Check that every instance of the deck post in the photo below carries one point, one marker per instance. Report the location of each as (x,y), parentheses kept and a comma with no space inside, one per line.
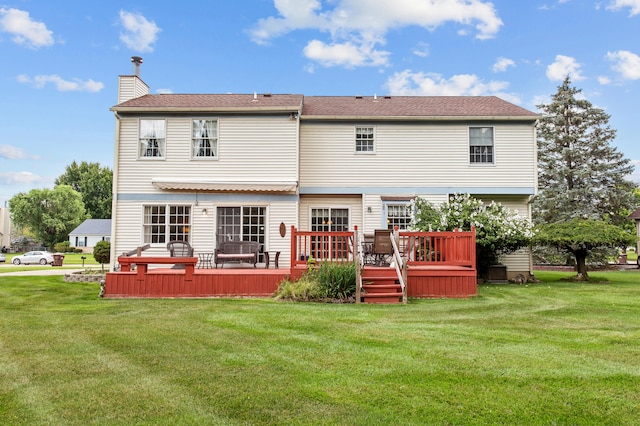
(356,259)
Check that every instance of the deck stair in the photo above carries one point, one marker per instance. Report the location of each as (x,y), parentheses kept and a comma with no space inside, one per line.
(380,285)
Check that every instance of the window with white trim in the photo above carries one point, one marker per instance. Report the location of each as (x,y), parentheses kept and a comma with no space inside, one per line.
(164,223)
(399,215)
(481,145)
(365,139)
(204,138)
(152,139)
(329,219)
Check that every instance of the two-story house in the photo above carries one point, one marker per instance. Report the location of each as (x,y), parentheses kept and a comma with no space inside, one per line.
(208,168)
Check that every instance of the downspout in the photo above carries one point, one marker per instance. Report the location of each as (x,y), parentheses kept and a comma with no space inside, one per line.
(114,192)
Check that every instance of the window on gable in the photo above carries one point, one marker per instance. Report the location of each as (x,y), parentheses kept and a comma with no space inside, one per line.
(365,138)
(163,223)
(481,145)
(152,138)
(204,139)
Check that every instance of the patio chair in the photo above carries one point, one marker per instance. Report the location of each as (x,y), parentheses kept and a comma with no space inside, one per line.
(382,247)
(179,248)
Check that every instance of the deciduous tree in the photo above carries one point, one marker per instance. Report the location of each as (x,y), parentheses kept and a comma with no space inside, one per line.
(49,213)
(94,182)
(579,237)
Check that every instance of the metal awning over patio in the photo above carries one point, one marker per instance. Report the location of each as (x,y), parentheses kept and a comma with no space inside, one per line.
(227,186)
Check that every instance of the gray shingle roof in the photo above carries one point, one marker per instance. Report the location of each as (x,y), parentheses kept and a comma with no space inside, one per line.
(93,227)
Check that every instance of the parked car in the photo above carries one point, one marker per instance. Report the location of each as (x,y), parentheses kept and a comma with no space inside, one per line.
(3,258)
(41,257)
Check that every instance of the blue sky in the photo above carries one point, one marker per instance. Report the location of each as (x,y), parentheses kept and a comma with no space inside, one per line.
(61,60)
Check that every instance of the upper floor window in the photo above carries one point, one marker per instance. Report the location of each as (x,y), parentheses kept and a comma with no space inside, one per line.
(481,145)
(365,138)
(204,139)
(152,138)
(162,223)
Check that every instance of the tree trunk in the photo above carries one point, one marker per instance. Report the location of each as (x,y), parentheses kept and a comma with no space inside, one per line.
(581,265)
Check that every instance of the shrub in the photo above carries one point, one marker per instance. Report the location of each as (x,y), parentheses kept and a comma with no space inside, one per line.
(330,281)
(102,252)
(337,280)
(305,289)
(63,247)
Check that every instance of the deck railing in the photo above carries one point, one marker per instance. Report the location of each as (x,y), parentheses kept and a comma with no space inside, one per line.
(321,246)
(456,248)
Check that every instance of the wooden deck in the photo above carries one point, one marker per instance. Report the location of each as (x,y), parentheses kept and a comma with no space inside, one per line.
(167,282)
(438,265)
(422,282)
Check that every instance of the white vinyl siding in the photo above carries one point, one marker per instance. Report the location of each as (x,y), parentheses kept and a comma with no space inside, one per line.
(425,155)
(130,87)
(249,149)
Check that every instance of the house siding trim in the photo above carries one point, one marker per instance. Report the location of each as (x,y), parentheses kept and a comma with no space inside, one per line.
(191,197)
(309,190)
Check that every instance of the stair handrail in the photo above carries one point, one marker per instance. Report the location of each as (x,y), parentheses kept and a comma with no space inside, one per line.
(358,260)
(399,264)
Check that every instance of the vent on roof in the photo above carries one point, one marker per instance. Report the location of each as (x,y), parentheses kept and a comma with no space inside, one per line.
(137,60)
(267,95)
(358,96)
(387,97)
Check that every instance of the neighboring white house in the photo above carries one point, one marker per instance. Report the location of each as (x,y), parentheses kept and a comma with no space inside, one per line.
(209,168)
(90,232)
(5,228)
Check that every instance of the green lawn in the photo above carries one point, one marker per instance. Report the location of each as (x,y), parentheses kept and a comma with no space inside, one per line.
(537,354)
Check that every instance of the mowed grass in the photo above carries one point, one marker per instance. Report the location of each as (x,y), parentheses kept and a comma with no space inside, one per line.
(536,354)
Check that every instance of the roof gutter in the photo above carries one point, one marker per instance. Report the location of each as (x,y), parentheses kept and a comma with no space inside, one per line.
(419,118)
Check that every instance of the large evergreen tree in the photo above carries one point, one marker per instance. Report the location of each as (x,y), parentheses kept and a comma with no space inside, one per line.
(580,174)
(94,183)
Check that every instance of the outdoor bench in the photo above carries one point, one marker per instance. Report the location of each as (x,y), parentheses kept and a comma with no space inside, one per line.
(242,251)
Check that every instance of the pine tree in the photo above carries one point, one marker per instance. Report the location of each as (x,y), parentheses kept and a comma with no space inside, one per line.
(580,174)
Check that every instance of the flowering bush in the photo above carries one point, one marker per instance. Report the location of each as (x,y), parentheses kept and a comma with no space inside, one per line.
(499,230)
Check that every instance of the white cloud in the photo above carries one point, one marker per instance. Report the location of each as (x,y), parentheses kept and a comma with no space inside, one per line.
(164,91)
(139,33)
(626,63)
(408,83)
(76,85)
(619,4)
(347,54)
(12,178)
(604,80)
(502,64)
(422,50)
(10,152)
(25,31)
(563,66)
(360,25)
